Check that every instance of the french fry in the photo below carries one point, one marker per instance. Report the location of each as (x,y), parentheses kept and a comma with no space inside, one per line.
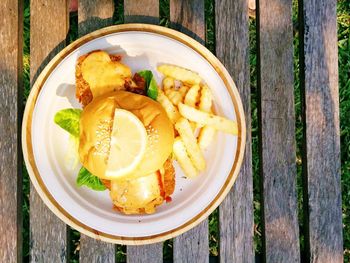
(168,84)
(191,99)
(204,118)
(182,158)
(184,128)
(192,96)
(174,96)
(206,136)
(179,73)
(193,126)
(206,97)
(183,90)
(170,109)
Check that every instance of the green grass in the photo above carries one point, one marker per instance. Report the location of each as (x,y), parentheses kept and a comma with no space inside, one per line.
(343,19)
(26,83)
(343,14)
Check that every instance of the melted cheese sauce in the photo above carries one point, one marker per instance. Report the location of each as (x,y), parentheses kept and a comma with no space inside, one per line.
(102,74)
(131,195)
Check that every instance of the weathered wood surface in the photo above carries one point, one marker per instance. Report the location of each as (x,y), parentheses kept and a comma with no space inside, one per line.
(188,17)
(277,121)
(94,251)
(10,108)
(93,15)
(47,36)
(146,11)
(236,211)
(193,245)
(146,253)
(143,12)
(321,123)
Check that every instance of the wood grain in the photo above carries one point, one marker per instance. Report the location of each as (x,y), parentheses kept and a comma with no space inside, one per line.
(188,17)
(319,64)
(10,110)
(146,253)
(92,250)
(146,11)
(47,37)
(193,245)
(236,211)
(93,15)
(143,12)
(277,131)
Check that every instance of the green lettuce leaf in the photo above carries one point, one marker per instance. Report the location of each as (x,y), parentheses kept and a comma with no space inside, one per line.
(151,84)
(69,120)
(89,180)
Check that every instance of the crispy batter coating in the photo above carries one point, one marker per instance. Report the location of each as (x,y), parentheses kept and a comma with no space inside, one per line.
(169,178)
(82,91)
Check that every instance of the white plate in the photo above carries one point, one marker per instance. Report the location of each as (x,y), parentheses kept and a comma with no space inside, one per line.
(48,152)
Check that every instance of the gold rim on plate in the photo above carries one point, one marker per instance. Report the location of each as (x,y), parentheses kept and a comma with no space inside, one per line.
(27,145)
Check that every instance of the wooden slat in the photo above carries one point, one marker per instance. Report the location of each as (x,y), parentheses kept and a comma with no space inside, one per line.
(92,250)
(47,36)
(146,11)
(236,211)
(277,131)
(319,64)
(143,12)
(188,17)
(92,15)
(10,101)
(193,245)
(147,253)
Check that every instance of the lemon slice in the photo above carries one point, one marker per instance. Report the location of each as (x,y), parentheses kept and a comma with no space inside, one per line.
(128,144)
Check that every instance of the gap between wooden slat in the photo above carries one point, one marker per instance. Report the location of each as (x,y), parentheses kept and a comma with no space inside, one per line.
(47,37)
(277,131)
(213,218)
(10,117)
(93,15)
(164,13)
(236,211)
(257,181)
(26,89)
(321,160)
(298,130)
(188,17)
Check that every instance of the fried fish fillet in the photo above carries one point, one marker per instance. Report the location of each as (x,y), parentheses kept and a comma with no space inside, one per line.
(144,194)
(97,73)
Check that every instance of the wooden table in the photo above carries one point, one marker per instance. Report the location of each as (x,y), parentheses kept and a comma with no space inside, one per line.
(276,114)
